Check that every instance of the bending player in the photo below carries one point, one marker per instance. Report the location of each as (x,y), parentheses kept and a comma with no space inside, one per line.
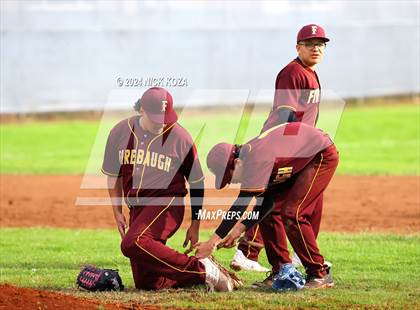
(291,164)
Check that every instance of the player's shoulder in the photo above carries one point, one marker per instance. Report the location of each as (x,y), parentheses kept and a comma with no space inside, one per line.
(293,68)
(124,125)
(176,130)
(291,73)
(246,149)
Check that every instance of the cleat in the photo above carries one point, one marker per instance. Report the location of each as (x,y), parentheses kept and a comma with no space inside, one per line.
(218,278)
(317,283)
(266,283)
(240,262)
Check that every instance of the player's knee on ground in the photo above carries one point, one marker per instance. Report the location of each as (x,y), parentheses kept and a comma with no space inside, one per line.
(127,246)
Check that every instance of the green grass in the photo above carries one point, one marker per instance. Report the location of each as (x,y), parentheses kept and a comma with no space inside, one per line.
(46,147)
(382,140)
(378,271)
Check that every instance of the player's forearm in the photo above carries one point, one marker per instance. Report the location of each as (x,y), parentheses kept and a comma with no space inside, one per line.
(197,198)
(239,206)
(215,240)
(118,213)
(115,193)
(195,224)
(263,209)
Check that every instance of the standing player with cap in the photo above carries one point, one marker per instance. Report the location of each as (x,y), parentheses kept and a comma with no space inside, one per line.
(148,159)
(292,163)
(296,99)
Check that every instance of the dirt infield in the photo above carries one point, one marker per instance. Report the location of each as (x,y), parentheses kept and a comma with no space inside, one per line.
(12,297)
(352,204)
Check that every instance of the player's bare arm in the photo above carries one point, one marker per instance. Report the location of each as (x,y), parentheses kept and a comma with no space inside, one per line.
(229,231)
(115,193)
(231,240)
(262,209)
(241,203)
(196,197)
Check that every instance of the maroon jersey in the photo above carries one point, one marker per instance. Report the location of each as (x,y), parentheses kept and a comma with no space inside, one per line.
(298,89)
(151,165)
(279,153)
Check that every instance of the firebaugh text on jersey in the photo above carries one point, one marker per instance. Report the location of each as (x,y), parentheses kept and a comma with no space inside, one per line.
(145,158)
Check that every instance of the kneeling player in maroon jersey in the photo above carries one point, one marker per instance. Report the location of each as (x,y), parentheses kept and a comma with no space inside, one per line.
(290,164)
(148,158)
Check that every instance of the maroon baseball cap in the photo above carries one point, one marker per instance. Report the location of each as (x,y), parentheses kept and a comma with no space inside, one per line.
(157,103)
(311,31)
(220,162)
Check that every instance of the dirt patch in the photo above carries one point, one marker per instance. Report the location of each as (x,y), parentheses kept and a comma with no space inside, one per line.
(352,203)
(12,297)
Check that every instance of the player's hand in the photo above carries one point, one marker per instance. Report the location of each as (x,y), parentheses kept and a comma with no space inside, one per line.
(230,240)
(121,223)
(204,249)
(191,236)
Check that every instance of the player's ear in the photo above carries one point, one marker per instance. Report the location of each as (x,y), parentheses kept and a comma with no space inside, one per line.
(141,111)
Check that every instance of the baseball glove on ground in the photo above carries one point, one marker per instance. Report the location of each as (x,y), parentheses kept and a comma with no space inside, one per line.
(96,279)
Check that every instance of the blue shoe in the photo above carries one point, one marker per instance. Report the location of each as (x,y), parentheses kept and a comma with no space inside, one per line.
(288,279)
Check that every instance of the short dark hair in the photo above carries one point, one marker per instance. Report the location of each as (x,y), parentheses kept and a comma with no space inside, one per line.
(137,106)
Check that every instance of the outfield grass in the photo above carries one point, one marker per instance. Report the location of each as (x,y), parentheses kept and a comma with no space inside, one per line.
(379,271)
(372,140)
(46,147)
